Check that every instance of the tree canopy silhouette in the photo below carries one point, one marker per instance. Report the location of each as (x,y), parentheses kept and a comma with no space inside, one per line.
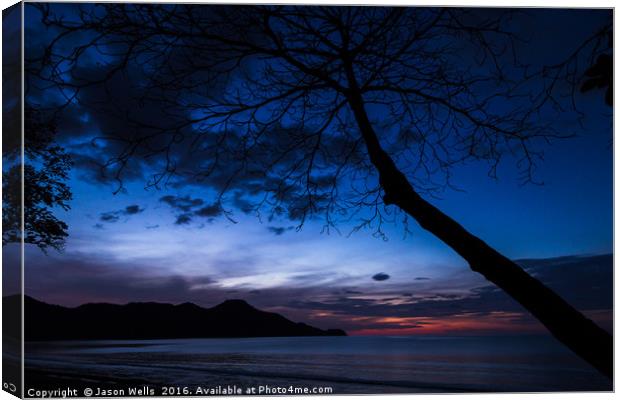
(343,113)
(45,174)
(601,74)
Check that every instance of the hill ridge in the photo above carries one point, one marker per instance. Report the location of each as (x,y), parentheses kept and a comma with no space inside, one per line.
(233,318)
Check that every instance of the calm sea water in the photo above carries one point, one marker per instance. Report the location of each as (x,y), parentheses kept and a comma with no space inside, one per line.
(346,364)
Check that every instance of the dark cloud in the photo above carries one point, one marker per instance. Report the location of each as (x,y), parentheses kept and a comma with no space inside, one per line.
(126,109)
(185,203)
(109,216)
(152,226)
(183,219)
(102,111)
(134,209)
(74,280)
(114,216)
(91,161)
(381,277)
(243,180)
(201,280)
(279,230)
(214,210)
(436,305)
(189,208)
(243,204)
(422,278)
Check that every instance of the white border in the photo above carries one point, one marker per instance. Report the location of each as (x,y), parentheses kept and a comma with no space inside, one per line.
(23,184)
(467,3)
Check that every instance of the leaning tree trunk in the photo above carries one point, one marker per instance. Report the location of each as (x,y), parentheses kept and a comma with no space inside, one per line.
(568,325)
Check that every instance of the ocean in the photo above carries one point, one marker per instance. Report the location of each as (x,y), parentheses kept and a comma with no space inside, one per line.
(338,365)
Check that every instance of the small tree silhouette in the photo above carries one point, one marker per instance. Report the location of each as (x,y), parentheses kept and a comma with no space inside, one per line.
(601,74)
(45,172)
(339,112)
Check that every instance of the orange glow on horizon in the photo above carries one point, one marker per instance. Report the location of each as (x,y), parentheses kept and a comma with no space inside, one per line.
(463,323)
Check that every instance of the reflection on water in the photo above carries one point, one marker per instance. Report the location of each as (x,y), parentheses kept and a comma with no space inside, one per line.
(348,364)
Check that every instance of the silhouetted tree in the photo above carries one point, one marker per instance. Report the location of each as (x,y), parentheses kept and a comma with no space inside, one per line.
(45,172)
(588,67)
(342,112)
(601,74)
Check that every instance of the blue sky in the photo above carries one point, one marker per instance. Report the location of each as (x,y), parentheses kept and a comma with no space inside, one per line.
(130,246)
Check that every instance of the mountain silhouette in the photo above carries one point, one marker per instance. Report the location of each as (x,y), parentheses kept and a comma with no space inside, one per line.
(230,319)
